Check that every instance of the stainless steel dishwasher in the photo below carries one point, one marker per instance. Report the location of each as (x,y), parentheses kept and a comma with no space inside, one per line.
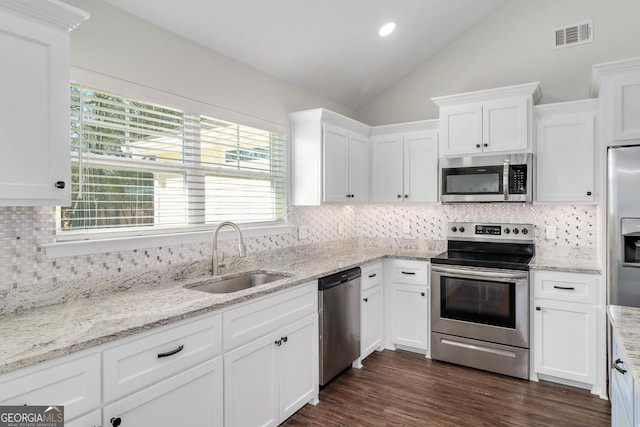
(339,318)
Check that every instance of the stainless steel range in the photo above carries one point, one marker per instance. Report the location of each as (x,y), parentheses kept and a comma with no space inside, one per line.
(480,297)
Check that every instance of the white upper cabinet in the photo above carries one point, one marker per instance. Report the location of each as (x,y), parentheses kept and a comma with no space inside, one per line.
(488,121)
(565,151)
(330,158)
(617,84)
(35,168)
(405,163)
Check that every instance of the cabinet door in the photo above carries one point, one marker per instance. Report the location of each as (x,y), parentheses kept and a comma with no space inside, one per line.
(251,385)
(626,108)
(371,321)
(505,125)
(358,168)
(387,175)
(298,365)
(193,397)
(461,130)
(565,159)
(565,340)
(621,414)
(336,165)
(34,113)
(421,167)
(409,315)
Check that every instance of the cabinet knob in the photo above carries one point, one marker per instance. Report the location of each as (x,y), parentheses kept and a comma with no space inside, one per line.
(588,193)
(538,309)
(60,184)
(422,294)
(278,343)
(365,299)
(406,196)
(115,422)
(477,145)
(399,196)
(485,144)
(284,339)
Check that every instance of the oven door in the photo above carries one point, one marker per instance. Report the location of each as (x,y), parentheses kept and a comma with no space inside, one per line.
(481,303)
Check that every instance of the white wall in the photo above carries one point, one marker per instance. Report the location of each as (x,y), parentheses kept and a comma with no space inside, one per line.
(121,45)
(513,46)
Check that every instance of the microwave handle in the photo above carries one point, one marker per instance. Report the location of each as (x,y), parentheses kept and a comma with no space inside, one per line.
(505,179)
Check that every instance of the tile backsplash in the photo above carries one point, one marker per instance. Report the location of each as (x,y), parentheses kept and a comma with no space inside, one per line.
(24,229)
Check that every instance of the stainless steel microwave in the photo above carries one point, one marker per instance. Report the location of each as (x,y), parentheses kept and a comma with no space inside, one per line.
(495,178)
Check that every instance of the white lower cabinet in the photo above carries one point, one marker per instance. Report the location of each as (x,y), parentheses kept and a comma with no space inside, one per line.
(269,379)
(371,327)
(409,303)
(193,397)
(371,309)
(565,340)
(565,326)
(624,401)
(409,315)
(72,381)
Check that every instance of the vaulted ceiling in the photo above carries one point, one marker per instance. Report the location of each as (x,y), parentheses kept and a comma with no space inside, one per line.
(329,47)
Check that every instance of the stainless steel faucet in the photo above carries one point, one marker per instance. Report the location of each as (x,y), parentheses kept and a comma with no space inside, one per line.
(242,249)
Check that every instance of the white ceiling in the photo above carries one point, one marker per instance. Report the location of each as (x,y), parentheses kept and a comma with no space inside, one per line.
(330,47)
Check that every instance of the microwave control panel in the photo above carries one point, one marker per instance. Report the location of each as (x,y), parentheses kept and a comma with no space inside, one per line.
(518,179)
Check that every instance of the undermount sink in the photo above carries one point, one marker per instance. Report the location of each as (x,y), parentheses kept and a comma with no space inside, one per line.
(236,283)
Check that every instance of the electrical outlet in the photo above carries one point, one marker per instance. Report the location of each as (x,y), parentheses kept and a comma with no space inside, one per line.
(550,233)
(406,227)
(303,232)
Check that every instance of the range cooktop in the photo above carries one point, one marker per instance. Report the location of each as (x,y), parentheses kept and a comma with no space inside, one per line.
(503,246)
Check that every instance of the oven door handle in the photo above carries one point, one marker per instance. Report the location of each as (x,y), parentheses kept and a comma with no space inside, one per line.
(480,274)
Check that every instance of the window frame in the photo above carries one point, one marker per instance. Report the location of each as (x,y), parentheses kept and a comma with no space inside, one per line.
(96,240)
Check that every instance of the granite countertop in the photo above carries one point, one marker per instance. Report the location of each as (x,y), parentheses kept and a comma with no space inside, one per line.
(626,327)
(572,260)
(84,315)
(39,334)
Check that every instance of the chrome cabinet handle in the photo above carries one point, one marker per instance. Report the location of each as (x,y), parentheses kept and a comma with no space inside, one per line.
(365,299)
(171,353)
(618,368)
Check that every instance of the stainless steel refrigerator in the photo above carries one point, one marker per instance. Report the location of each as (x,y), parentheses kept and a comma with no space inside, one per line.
(623,228)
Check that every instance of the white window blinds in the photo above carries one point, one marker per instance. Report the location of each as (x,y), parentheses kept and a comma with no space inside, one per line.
(139,165)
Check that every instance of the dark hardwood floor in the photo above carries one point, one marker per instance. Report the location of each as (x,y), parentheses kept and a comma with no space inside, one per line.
(405,389)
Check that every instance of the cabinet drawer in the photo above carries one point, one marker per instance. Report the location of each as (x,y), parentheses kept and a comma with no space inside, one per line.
(257,319)
(149,358)
(191,398)
(371,275)
(73,382)
(570,287)
(409,271)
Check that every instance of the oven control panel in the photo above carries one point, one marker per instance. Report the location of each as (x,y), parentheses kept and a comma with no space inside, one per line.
(484,231)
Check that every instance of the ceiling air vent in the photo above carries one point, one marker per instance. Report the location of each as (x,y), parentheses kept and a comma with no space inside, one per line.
(573,35)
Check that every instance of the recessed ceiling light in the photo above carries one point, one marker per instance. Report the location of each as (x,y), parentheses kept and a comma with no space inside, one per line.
(387,29)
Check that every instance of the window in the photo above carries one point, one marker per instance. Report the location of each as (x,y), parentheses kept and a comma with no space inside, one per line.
(137,166)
